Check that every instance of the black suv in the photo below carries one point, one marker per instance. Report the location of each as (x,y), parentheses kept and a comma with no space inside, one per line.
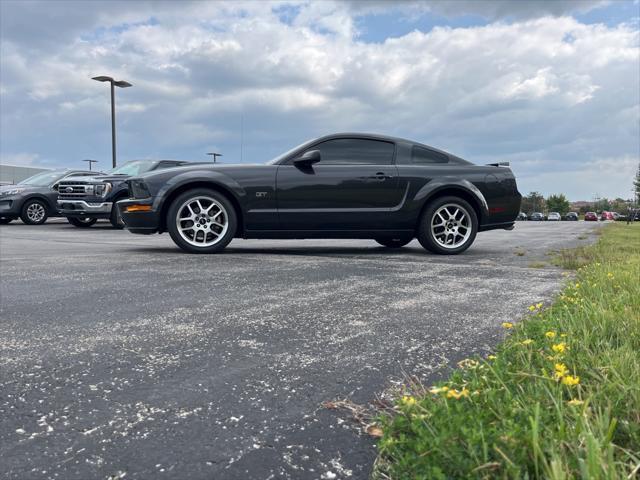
(34,200)
(83,200)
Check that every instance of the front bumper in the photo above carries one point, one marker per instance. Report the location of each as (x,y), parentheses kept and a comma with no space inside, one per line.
(81,208)
(10,207)
(144,223)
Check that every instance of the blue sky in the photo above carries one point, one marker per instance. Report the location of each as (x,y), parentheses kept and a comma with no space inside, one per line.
(551,86)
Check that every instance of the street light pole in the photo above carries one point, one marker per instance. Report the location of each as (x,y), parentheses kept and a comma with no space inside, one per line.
(91,162)
(215,155)
(113,83)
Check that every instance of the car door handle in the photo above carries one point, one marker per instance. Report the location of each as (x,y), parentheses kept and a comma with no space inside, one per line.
(380,176)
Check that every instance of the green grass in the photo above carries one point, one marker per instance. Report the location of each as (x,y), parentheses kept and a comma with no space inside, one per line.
(515,414)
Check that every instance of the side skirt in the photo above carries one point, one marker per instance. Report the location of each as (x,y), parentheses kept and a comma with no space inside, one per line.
(300,234)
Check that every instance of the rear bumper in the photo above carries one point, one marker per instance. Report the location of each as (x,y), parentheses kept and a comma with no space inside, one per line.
(144,223)
(81,208)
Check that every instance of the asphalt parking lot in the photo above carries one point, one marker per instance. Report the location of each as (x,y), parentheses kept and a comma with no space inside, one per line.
(122,357)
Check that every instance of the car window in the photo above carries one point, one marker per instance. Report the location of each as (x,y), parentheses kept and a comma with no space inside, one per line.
(42,179)
(135,167)
(355,151)
(423,155)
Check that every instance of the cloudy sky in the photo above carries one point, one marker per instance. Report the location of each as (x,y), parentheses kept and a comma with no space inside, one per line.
(551,86)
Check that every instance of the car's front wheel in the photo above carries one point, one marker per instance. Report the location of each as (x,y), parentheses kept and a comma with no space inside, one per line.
(448,226)
(81,222)
(34,212)
(202,221)
(394,242)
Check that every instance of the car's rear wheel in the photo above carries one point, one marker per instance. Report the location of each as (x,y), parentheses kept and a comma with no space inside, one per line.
(448,226)
(5,220)
(81,222)
(202,221)
(34,212)
(394,242)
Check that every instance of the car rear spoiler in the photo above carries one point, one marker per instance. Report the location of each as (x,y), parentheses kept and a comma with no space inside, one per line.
(498,164)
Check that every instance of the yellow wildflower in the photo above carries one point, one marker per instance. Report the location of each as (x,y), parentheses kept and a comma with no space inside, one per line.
(528,341)
(507,325)
(532,308)
(550,334)
(408,400)
(539,305)
(453,393)
(575,402)
(570,380)
(436,390)
(491,357)
(560,370)
(610,276)
(563,335)
(559,347)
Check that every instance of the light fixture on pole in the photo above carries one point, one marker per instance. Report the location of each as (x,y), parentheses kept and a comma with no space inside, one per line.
(215,155)
(91,162)
(114,83)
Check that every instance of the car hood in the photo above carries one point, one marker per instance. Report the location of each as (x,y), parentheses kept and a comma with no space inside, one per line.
(98,178)
(27,188)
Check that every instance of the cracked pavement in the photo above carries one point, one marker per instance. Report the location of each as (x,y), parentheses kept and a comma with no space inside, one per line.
(122,357)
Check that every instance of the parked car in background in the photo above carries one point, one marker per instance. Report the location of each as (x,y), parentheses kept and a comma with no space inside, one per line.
(572,217)
(590,217)
(346,185)
(619,217)
(606,216)
(536,217)
(554,217)
(84,200)
(522,216)
(33,200)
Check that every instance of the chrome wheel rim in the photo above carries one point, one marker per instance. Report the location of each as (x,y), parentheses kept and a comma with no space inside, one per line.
(202,221)
(35,212)
(451,226)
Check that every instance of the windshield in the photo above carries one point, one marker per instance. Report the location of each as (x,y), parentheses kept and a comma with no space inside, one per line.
(289,152)
(42,179)
(132,168)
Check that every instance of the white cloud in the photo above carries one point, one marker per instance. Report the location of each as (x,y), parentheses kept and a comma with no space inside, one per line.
(548,91)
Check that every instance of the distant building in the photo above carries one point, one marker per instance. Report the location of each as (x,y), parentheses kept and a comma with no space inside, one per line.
(10,174)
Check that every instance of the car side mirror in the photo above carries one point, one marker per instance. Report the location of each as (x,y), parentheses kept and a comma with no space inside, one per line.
(308,158)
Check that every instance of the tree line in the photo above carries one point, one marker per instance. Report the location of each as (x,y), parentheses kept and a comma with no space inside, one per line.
(536,202)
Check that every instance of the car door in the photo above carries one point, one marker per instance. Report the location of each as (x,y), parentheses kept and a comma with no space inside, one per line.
(354,186)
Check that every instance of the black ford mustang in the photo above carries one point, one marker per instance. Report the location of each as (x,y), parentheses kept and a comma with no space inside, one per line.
(339,186)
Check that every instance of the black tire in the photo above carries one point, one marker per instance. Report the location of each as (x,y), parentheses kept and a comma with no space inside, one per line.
(34,212)
(82,222)
(394,242)
(427,238)
(225,214)
(5,220)
(116,218)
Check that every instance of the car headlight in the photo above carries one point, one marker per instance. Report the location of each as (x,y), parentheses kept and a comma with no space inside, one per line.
(138,189)
(102,189)
(13,191)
